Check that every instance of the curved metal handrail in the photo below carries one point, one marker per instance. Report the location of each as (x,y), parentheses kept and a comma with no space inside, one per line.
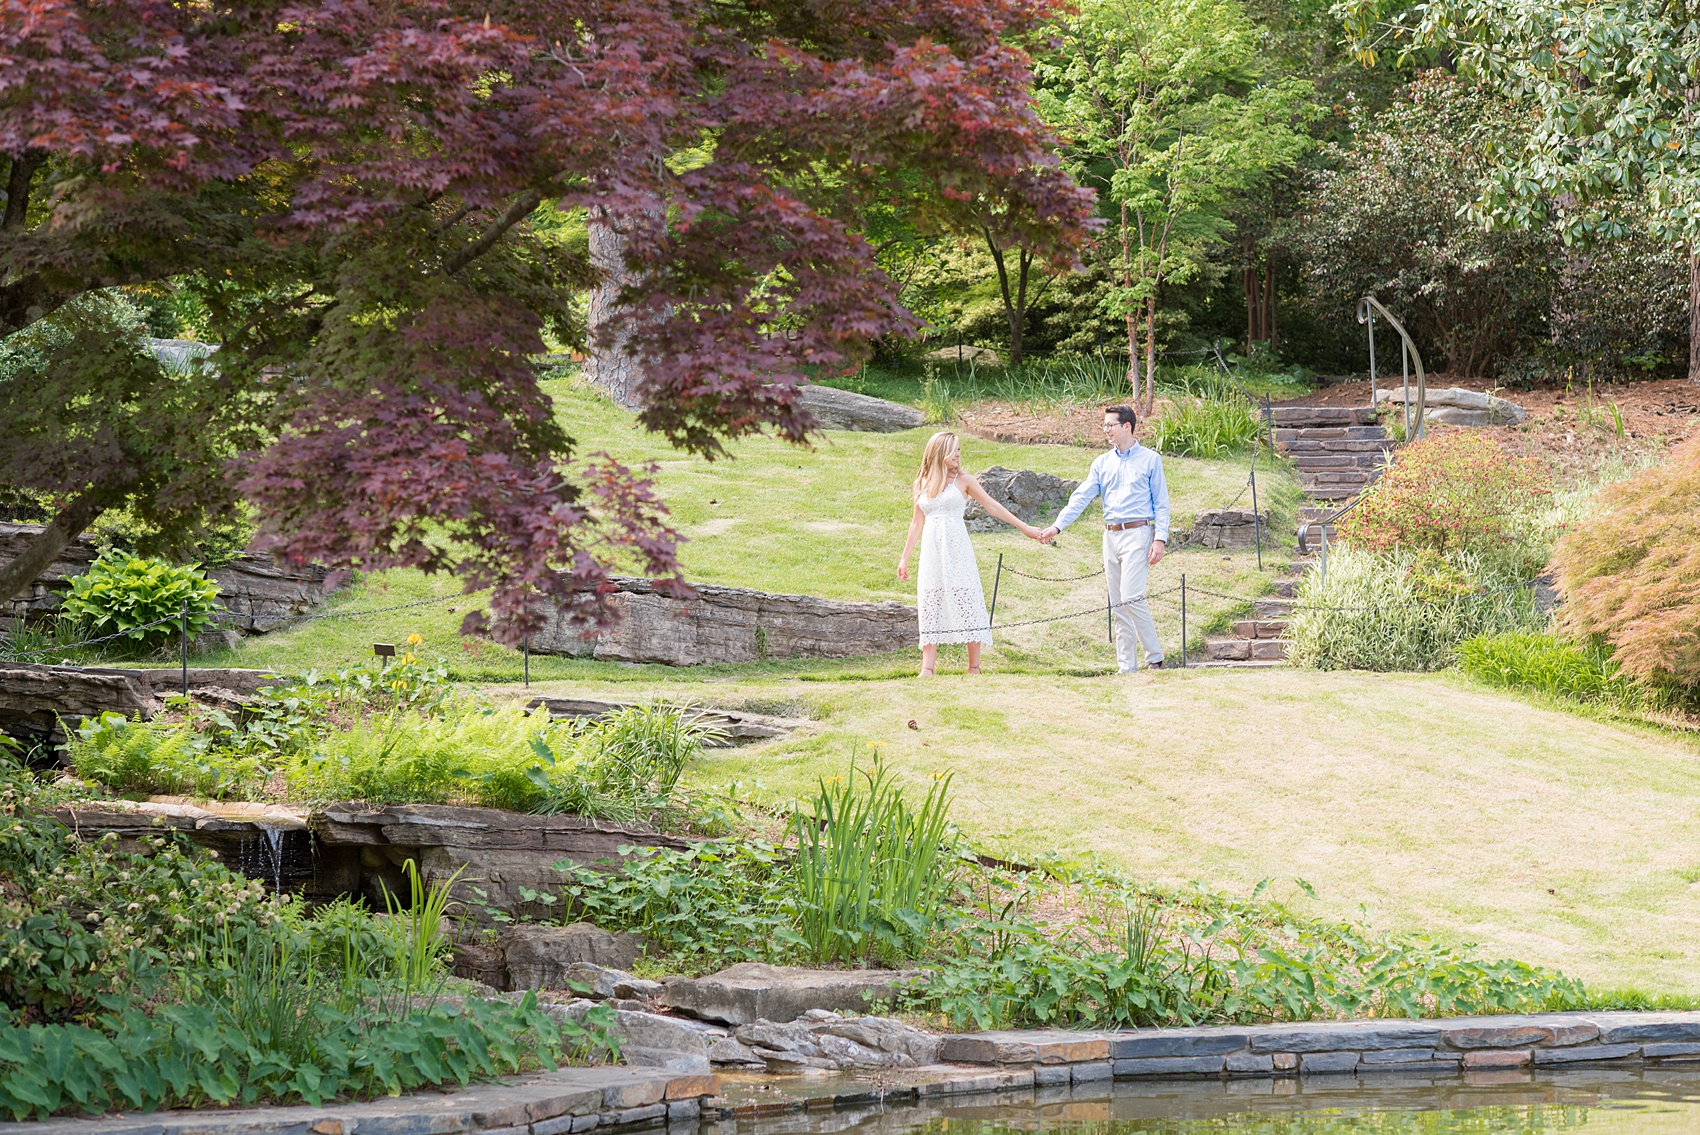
(1365,315)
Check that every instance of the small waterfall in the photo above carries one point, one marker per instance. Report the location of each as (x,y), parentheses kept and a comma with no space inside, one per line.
(274,848)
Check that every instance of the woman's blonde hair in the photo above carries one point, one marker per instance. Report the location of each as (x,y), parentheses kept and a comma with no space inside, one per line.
(930,481)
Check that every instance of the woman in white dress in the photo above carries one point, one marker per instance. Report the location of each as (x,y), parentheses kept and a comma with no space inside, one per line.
(948,595)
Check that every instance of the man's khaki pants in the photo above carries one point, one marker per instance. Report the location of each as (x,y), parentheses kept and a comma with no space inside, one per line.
(1126,565)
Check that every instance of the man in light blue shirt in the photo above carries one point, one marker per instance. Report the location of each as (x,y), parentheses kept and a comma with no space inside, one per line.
(1136,531)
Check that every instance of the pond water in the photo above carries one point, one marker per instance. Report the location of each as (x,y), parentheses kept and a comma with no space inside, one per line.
(1656,1102)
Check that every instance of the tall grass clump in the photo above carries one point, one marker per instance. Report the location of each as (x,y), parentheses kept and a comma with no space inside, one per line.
(1403,609)
(625,766)
(1058,380)
(872,872)
(1218,425)
(1546,664)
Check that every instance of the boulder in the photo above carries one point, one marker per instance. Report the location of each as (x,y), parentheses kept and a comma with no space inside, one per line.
(637,989)
(826,1040)
(756,991)
(542,957)
(649,1040)
(731,726)
(846,410)
(1224,528)
(596,981)
(979,356)
(730,624)
(1034,497)
(729,1050)
(1457,406)
(883,1034)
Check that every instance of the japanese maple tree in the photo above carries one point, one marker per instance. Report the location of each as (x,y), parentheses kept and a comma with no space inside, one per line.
(355,190)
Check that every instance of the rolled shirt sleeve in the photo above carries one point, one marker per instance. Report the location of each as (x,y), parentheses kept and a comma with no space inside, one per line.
(1159,497)
(1084,494)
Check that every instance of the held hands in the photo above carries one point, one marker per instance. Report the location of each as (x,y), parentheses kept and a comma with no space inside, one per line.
(1047,536)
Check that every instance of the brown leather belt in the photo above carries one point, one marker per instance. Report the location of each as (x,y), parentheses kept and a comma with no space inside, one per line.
(1124,527)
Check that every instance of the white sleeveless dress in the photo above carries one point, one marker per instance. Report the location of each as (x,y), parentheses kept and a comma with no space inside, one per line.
(947,584)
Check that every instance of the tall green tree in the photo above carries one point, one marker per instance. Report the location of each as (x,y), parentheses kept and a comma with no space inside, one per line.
(1164,106)
(1614,93)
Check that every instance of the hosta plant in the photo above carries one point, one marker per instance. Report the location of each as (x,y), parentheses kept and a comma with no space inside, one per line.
(147,603)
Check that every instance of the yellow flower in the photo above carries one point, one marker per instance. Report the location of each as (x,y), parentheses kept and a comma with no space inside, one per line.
(415,639)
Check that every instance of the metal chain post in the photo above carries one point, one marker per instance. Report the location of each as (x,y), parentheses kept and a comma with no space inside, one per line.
(183,634)
(996,579)
(1183,620)
(526,652)
(1256,519)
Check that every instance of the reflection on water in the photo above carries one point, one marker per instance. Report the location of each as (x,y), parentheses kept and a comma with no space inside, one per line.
(1656,1102)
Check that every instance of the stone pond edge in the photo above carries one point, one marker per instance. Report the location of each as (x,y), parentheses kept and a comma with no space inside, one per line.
(623,1098)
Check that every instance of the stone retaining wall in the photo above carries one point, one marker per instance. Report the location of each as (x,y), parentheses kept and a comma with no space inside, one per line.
(37,701)
(1431,1047)
(733,624)
(551,1103)
(258,593)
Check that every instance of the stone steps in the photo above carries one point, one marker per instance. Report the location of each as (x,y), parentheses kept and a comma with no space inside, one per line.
(1334,462)
(1323,417)
(1285,434)
(1245,650)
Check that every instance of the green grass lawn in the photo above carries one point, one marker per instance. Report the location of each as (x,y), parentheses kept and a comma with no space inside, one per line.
(1417,802)
(826,521)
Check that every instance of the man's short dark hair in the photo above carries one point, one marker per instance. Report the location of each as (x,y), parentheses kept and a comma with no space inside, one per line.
(1124,413)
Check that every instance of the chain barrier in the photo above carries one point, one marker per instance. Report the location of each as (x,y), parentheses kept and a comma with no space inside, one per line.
(1366,606)
(1098,610)
(230,616)
(14,655)
(1052,578)
(226,616)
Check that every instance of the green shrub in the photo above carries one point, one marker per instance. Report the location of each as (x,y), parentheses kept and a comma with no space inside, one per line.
(1457,492)
(1402,610)
(1546,663)
(126,595)
(872,873)
(708,906)
(1214,426)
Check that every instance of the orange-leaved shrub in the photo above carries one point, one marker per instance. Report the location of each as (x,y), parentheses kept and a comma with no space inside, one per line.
(1457,491)
(1630,574)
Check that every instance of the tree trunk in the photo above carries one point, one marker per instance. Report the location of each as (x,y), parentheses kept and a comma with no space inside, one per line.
(609,365)
(1131,315)
(1693,314)
(1133,354)
(1248,280)
(72,520)
(1269,333)
(1150,354)
(1014,302)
